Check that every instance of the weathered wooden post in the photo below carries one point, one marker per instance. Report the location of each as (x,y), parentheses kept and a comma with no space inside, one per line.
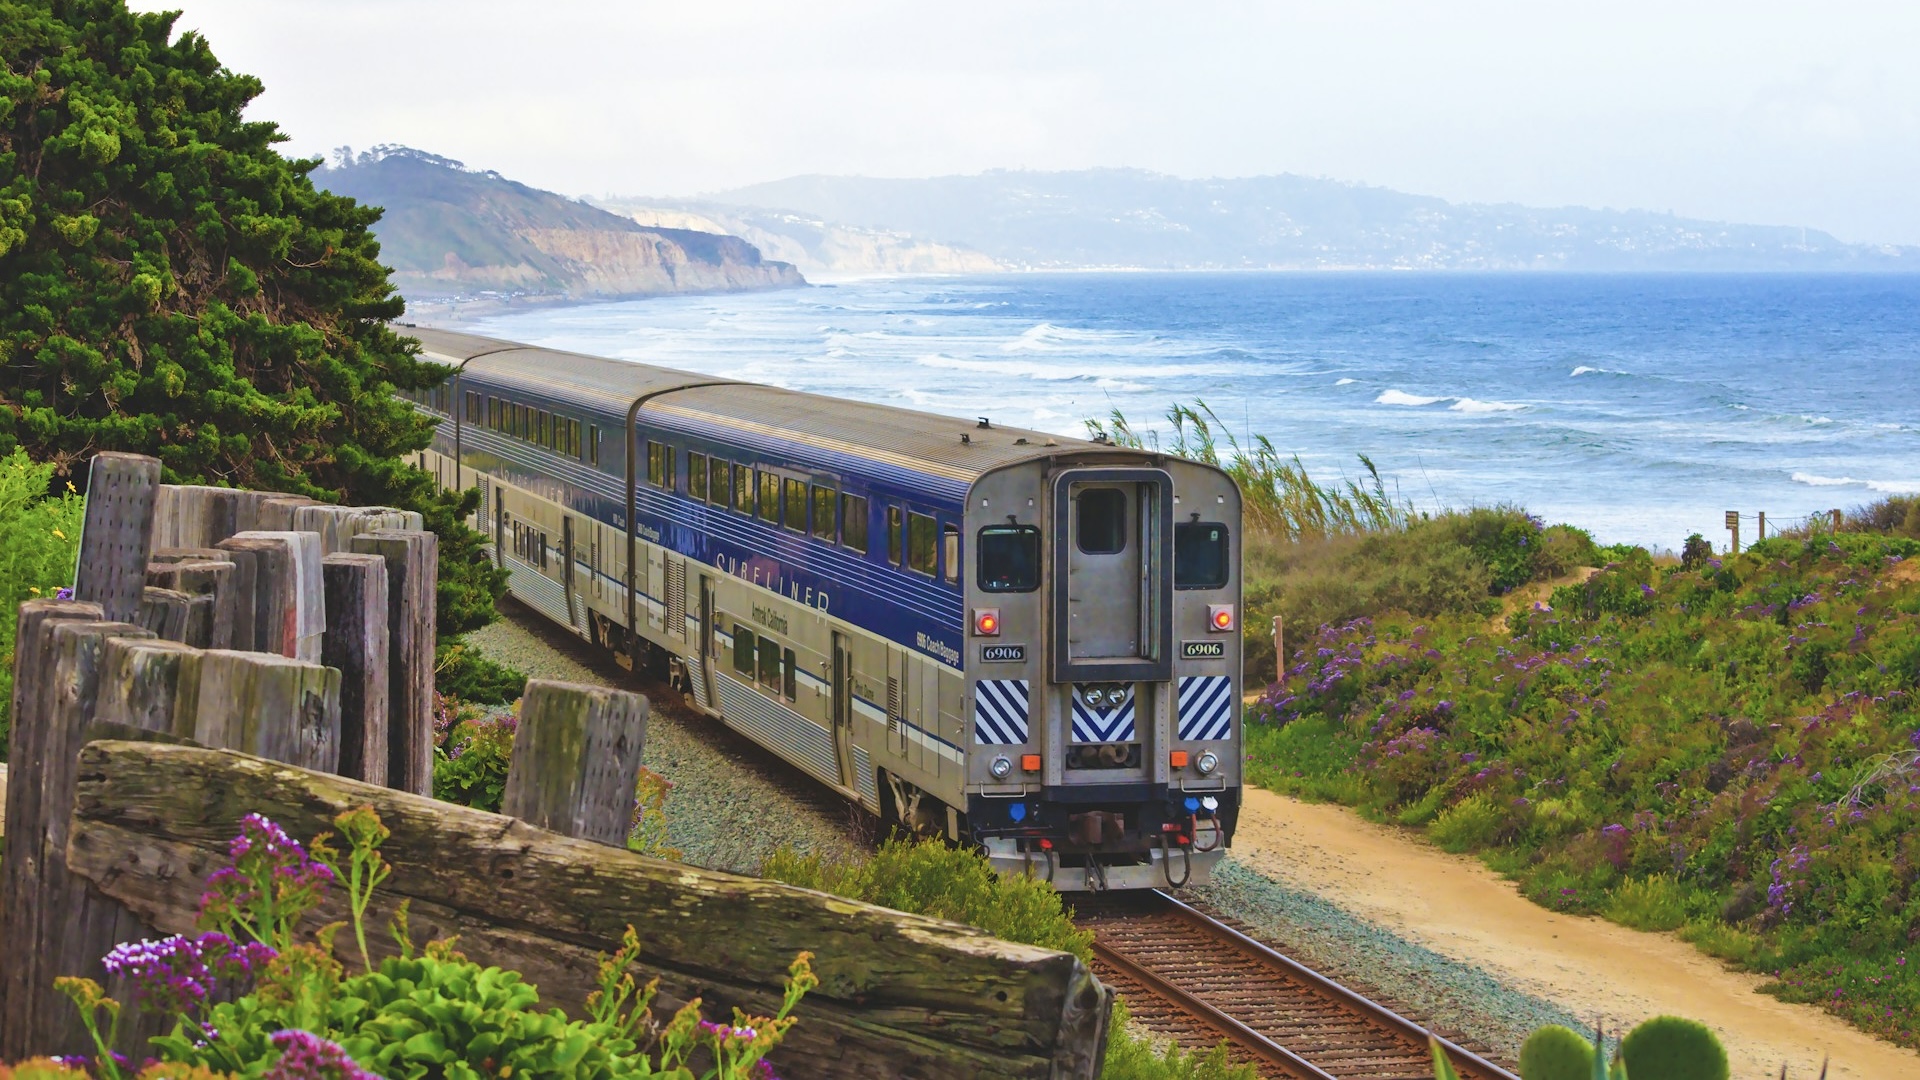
(413,566)
(140,683)
(576,759)
(289,597)
(55,925)
(356,643)
(263,704)
(1279,648)
(118,533)
(204,579)
(21,869)
(338,525)
(1835,513)
(1733,526)
(166,611)
(1760,533)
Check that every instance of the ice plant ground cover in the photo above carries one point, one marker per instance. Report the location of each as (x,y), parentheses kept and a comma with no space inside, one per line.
(1729,749)
(248,997)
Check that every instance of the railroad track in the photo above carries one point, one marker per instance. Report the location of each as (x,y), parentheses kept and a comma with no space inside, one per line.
(1192,977)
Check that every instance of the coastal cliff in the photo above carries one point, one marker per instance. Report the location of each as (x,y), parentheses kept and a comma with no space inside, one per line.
(452,232)
(817,247)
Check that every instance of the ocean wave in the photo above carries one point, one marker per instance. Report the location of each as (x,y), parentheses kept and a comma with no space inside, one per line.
(1585,370)
(1825,481)
(1895,487)
(1470,405)
(1401,397)
(1048,337)
(1343,382)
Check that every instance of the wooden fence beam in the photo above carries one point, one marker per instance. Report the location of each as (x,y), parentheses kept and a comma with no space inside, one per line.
(166,611)
(356,644)
(338,525)
(900,995)
(140,683)
(275,513)
(413,567)
(208,579)
(263,704)
(118,532)
(576,759)
(20,869)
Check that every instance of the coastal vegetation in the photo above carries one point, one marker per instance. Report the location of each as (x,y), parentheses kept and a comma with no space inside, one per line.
(39,540)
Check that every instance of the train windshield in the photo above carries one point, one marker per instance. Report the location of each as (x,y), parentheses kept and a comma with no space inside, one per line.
(1009,558)
(1199,555)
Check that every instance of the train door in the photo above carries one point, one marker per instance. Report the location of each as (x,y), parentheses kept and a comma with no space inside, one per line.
(707,690)
(843,710)
(570,586)
(500,528)
(1103,577)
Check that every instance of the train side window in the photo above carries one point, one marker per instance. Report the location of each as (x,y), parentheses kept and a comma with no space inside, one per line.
(657,460)
(543,551)
(1009,558)
(788,676)
(950,553)
(1200,555)
(593,443)
(543,428)
(717,476)
(1102,528)
(893,535)
(697,475)
(769,498)
(853,521)
(770,663)
(823,515)
(743,489)
(743,650)
(923,543)
(795,516)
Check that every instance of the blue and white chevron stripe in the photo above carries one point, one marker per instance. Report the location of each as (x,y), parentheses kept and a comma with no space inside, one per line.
(1206,707)
(1000,714)
(1108,725)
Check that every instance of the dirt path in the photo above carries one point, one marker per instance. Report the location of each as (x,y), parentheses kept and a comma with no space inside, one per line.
(1457,907)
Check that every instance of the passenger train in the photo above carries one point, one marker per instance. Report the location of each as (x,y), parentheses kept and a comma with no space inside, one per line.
(1028,643)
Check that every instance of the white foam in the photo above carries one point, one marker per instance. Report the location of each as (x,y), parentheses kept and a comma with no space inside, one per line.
(1895,487)
(1343,382)
(1472,406)
(1401,397)
(1826,481)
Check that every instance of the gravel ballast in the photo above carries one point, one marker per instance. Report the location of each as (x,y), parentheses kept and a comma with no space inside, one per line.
(732,803)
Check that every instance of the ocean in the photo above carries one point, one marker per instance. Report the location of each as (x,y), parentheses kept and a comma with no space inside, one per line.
(1640,407)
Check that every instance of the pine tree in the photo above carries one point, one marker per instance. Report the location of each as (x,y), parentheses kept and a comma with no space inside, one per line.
(171,285)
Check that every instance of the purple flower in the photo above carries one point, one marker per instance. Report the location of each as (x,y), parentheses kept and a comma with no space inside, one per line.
(306,1056)
(174,975)
(63,593)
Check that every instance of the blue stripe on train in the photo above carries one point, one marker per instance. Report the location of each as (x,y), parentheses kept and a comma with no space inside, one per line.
(1001,714)
(1206,707)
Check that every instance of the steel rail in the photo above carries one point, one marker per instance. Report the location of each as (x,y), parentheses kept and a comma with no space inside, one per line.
(1266,1049)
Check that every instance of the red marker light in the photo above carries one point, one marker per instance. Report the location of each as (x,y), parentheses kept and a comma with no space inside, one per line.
(986,622)
(1030,762)
(1220,618)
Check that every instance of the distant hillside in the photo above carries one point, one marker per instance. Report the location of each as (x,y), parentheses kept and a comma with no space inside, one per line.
(452,231)
(1128,217)
(817,247)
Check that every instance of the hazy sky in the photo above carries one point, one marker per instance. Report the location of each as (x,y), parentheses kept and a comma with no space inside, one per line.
(1801,114)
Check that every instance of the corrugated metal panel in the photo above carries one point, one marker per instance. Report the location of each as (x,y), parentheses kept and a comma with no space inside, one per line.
(863,777)
(772,724)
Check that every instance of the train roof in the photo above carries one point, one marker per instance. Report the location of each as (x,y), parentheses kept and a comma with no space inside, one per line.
(945,445)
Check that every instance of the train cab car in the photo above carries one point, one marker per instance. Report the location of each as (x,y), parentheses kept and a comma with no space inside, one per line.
(1027,643)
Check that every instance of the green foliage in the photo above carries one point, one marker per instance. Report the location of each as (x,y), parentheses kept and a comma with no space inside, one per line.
(1280,499)
(459,671)
(1554,1052)
(930,878)
(1730,752)
(170,285)
(1896,515)
(1673,1048)
(1695,553)
(1132,1058)
(471,755)
(39,541)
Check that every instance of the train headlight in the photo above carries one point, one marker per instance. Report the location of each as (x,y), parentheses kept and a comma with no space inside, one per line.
(1220,618)
(1000,767)
(1206,762)
(986,622)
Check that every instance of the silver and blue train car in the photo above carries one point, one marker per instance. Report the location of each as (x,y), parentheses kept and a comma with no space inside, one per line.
(1025,642)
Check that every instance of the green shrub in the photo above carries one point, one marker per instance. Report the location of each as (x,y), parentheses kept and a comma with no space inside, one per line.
(929,877)
(471,758)
(1651,903)
(39,541)
(1132,1058)
(1673,1048)
(1471,823)
(459,671)
(1554,1052)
